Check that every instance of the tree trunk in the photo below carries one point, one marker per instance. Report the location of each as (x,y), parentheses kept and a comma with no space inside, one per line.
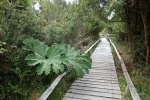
(143,9)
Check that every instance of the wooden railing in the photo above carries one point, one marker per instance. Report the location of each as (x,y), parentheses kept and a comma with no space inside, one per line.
(130,85)
(58,79)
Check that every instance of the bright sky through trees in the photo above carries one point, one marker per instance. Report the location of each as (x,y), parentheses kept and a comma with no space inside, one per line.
(70,1)
(37,5)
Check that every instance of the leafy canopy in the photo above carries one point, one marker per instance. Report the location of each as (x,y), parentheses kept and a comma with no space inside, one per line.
(57,58)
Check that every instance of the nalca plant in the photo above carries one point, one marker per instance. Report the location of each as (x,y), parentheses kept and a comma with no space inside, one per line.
(58,58)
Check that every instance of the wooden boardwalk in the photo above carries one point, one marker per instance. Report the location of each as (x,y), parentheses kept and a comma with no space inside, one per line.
(101,83)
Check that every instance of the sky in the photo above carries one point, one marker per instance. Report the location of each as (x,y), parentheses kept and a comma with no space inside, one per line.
(67,1)
(70,1)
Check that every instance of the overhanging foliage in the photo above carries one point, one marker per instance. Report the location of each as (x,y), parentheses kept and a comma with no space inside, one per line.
(57,58)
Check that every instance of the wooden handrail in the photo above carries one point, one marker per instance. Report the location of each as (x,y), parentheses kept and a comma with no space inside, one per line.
(52,87)
(91,47)
(57,80)
(130,85)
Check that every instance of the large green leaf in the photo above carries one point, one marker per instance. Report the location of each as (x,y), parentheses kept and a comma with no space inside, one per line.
(43,67)
(46,58)
(57,58)
(80,63)
(36,46)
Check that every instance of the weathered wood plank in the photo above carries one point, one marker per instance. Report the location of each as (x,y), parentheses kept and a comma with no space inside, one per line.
(87,97)
(98,86)
(96,89)
(101,71)
(99,78)
(102,81)
(96,83)
(70,98)
(105,68)
(101,75)
(98,71)
(93,93)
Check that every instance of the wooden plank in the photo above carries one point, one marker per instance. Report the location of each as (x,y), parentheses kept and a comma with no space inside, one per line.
(102,81)
(105,68)
(100,78)
(70,98)
(101,71)
(87,97)
(93,93)
(96,83)
(132,89)
(97,59)
(98,86)
(108,71)
(100,74)
(101,64)
(92,69)
(100,68)
(102,61)
(97,89)
(101,84)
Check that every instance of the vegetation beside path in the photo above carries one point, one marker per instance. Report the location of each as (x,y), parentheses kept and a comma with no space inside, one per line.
(139,76)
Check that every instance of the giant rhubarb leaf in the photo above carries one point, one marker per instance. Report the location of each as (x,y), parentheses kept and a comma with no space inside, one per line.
(57,58)
(45,58)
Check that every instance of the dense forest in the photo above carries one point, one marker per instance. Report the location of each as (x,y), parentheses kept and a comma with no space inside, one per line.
(59,26)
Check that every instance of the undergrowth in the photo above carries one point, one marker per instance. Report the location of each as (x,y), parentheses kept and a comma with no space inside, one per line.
(138,75)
